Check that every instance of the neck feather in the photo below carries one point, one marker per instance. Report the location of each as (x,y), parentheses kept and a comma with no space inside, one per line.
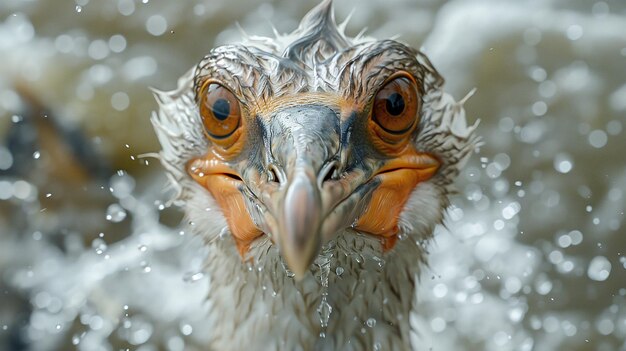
(354,296)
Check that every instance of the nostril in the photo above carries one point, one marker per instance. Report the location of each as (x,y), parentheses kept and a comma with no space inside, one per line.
(329,172)
(272,174)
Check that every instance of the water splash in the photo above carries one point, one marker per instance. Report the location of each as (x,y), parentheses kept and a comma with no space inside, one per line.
(324,309)
(115,213)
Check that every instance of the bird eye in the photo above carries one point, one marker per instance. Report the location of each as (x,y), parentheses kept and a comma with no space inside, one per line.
(219,109)
(396,105)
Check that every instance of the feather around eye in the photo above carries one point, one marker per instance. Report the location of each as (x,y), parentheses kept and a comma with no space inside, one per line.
(396,105)
(219,109)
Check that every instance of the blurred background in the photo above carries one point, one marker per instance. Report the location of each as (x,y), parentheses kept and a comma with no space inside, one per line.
(92,257)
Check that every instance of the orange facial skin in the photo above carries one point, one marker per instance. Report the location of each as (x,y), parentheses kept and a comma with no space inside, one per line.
(223,184)
(397,178)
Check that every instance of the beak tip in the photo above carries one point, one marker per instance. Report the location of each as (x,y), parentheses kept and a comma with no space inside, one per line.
(298,277)
(298,266)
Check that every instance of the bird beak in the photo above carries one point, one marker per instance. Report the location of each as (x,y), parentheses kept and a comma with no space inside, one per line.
(302,140)
(299,220)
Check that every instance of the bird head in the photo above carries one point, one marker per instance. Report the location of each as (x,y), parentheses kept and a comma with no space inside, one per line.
(312,135)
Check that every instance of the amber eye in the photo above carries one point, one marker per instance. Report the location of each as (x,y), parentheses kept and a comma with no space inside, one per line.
(396,105)
(219,109)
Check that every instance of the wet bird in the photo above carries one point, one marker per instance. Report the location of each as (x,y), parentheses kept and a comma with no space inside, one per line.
(315,166)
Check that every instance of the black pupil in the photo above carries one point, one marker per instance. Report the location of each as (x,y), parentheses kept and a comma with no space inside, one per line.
(395,104)
(221,109)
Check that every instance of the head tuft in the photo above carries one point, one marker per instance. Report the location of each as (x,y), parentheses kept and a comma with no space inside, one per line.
(318,36)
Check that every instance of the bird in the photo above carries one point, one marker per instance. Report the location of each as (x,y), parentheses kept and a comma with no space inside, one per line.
(315,167)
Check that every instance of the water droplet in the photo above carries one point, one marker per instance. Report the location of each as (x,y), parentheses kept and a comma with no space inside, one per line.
(99,245)
(6,158)
(120,101)
(574,32)
(539,108)
(126,7)
(511,210)
(339,271)
(36,155)
(223,233)
(186,329)
(122,185)
(23,190)
(379,261)
(323,262)
(599,269)
(538,74)
(598,138)
(324,310)
(146,267)
(440,290)
(614,127)
(193,277)
(289,273)
(354,223)
(98,49)
(577,237)
(563,163)
(117,43)
(371,322)
(79,8)
(96,322)
(605,326)
(115,213)
(156,25)
(564,241)
(139,331)
(543,286)
(142,248)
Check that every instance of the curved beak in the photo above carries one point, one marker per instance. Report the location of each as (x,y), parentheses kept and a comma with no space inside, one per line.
(299,222)
(301,140)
